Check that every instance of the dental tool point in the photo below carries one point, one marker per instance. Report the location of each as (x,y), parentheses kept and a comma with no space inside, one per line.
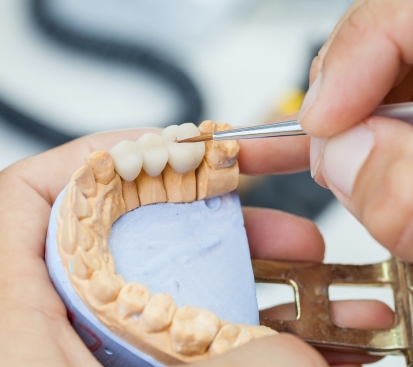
(286,128)
(401,111)
(196,139)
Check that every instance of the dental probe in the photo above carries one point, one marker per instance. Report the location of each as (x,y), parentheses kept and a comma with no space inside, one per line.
(401,111)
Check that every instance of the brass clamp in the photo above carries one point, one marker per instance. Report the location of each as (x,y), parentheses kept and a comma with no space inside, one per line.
(313,322)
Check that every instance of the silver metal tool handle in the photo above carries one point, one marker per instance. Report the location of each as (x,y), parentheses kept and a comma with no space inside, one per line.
(287,128)
(400,111)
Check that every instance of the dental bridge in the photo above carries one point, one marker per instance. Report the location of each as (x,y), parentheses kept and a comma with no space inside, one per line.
(155,169)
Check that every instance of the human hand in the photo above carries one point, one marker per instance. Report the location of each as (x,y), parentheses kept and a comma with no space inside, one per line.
(34,330)
(366,61)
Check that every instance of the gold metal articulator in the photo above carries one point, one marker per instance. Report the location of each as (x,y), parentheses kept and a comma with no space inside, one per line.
(313,322)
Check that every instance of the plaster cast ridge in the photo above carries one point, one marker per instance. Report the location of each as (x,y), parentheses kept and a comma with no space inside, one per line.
(91,204)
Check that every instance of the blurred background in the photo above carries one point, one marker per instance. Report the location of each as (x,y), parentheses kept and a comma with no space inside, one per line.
(74,67)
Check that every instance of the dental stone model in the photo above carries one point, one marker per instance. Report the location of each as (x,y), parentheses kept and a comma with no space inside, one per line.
(155,285)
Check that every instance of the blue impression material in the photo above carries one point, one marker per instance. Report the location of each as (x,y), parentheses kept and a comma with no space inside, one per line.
(196,252)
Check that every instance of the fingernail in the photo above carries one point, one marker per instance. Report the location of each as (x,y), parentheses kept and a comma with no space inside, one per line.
(316,144)
(345,154)
(310,97)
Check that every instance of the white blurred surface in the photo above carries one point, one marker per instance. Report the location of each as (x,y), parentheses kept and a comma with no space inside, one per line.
(240,70)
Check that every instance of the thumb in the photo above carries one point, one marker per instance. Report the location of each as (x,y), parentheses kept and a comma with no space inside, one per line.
(362,63)
(369,169)
(282,350)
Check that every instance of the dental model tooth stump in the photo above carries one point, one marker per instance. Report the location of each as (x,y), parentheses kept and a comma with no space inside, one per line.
(147,249)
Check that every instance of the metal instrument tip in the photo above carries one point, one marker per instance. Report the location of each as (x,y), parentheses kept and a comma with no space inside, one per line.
(196,139)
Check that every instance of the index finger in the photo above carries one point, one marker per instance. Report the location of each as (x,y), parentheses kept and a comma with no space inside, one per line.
(274,155)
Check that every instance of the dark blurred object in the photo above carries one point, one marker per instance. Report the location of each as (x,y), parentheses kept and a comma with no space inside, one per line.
(32,127)
(116,51)
(295,193)
(138,56)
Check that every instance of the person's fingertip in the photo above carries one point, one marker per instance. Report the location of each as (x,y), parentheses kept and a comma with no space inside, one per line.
(319,179)
(294,236)
(344,155)
(310,98)
(315,68)
(316,146)
(362,314)
(368,168)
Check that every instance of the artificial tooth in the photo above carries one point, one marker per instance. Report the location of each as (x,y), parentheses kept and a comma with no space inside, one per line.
(84,264)
(128,159)
(85,180)
(104,286)
(102,166)
(183,157)
(193,329)
(74,202)
(158,312)
(229,337)
(132,299)
(154,152)
(68,234)
(219,154)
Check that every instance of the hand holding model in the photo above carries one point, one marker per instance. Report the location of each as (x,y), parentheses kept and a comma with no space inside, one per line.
(365,61)
(34,329)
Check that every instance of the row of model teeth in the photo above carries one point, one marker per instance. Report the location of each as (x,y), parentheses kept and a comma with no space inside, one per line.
(89,260)
(152,152)
(193,330)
